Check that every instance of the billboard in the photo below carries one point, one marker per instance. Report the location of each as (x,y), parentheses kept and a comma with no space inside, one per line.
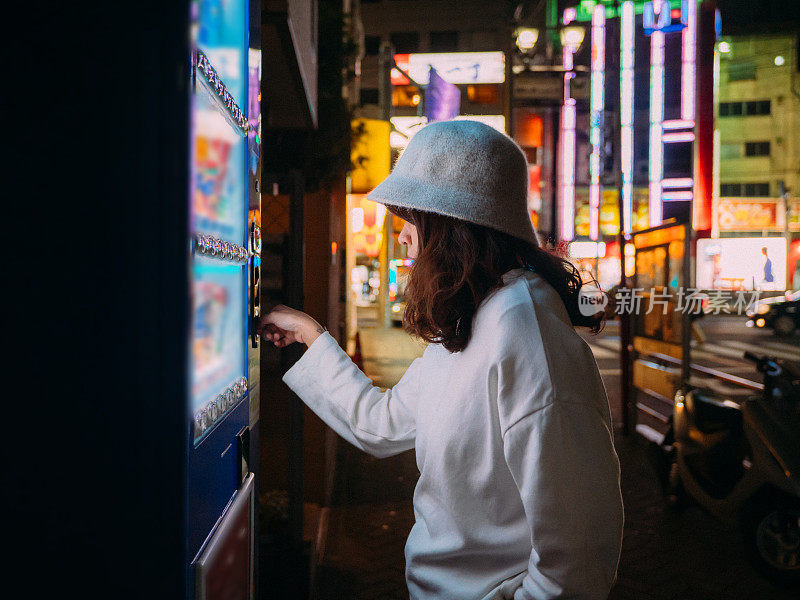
(366,224)
(740,263)
(404,128)
(749,214)
(453,67)
(609,211)
(793,215)
(370,154)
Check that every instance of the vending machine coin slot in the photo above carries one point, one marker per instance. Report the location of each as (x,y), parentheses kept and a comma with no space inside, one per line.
(255,282)
(243,455)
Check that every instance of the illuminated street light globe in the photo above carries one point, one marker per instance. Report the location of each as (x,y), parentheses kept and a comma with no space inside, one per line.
(572,37)
(779,61)
(724,47)
(526,38)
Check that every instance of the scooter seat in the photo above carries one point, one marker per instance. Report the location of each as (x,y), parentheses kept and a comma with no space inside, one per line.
(711,413)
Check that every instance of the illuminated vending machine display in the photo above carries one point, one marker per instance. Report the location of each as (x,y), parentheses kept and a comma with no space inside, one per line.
(220,511)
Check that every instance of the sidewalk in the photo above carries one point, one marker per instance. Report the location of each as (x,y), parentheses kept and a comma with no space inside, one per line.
(372,510)
(665,555)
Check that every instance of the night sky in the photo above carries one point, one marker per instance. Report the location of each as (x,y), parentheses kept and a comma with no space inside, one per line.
(761,15)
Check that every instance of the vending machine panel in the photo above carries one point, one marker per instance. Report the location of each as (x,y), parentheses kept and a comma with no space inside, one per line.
(219,483)
(225,569)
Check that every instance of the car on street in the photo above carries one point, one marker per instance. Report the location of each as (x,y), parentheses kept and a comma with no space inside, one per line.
(396,312)
(780,313)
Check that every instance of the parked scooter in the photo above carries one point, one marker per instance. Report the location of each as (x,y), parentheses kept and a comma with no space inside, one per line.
(742,462)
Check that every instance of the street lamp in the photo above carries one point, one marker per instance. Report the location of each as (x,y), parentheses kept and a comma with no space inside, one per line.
(572,37)
(527,38)
(542,73)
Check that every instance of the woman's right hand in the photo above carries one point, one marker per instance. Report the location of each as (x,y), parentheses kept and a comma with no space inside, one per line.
(283,326)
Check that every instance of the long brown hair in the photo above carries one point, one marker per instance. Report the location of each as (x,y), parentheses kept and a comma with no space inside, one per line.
(459,263)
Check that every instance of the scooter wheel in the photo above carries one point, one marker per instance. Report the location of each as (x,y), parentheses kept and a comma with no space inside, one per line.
(771,529)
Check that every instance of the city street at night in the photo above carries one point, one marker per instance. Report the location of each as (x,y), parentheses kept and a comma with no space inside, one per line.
(727,339)
(402,300)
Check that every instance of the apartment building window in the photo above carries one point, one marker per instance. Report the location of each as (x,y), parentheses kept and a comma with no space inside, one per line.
(405,42)
(741,71)
(369,96)
(756,149)
(727,151)
(372,45)
(756,189)
(730,109)
(757,107)
(730,189)
(443,41)
(749,190)
(749,108)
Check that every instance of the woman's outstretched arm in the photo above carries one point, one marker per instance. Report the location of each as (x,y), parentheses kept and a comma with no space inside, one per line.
(381,423)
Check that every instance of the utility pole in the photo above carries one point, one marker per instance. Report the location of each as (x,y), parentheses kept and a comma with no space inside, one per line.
(386,62)
(626,375)
(787,234)
(508,97)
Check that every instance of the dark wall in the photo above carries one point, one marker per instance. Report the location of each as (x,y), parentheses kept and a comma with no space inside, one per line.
(96,348)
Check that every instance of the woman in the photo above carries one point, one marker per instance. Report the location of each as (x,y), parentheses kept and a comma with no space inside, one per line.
(518,495)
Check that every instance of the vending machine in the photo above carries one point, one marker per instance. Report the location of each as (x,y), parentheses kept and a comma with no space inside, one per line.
(223,213)
(135,471)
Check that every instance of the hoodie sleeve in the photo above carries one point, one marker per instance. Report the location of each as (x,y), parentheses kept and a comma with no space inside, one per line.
(563,461)
(379,422)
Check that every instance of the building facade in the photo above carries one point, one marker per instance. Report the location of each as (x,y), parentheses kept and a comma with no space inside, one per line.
(759,150)
(416,26)
(759,115)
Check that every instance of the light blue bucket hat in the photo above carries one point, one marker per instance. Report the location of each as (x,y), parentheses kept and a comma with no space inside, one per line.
(466,170)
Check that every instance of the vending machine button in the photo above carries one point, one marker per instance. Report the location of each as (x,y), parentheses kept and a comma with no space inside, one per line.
(199,425)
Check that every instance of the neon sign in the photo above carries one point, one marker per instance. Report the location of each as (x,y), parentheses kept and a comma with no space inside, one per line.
(626,111)
(659,19)
(597,104)
(566,187)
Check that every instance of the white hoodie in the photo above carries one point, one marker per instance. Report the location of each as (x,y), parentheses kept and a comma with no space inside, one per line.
(519,490)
